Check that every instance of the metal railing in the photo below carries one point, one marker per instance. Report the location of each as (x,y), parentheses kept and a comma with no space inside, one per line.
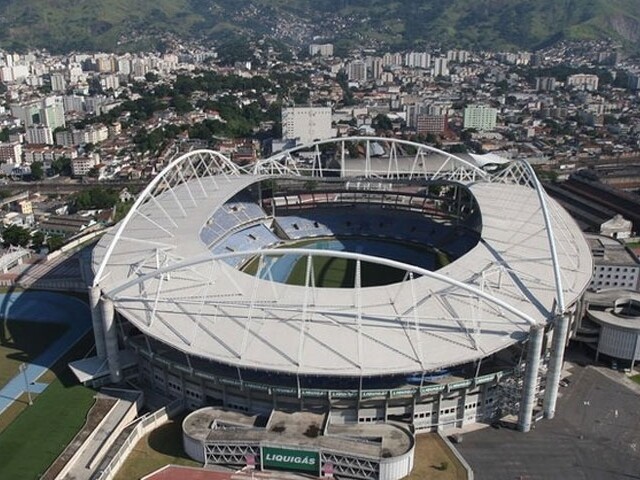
(144,425)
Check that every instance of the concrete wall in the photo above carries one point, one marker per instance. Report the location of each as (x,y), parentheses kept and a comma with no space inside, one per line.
(618,343)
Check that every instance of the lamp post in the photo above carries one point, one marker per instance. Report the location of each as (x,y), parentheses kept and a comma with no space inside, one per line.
(23,369)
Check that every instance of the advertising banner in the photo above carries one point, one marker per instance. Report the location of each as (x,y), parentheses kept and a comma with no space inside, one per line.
(291,459)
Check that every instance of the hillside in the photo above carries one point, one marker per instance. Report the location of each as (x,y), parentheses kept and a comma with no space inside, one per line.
(63,25)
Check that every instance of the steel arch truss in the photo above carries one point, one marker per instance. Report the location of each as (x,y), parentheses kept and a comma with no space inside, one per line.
(202,296)
(171,286)
(557,231)
(200,171)
(373,157)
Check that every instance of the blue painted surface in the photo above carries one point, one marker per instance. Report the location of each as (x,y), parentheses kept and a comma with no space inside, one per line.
(42,307)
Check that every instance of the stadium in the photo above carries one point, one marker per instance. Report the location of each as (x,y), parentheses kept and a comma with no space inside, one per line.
(375,279)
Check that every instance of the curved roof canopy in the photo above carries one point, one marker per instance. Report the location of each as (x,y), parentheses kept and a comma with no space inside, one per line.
(530,264)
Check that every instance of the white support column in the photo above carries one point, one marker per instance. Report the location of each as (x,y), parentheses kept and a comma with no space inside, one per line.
(96,321)
(111,339)
(555,364)
(536,334)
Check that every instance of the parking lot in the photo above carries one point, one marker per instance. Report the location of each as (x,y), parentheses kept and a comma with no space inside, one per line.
(595,436)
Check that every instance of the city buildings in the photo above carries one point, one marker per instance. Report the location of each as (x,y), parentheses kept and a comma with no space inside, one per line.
(615,267)
(321,49)
(81,166)
(11,152)
(39,134)
(480,117)
(440,67)
(306,124)
(583,81)
(431,123)
(357,71)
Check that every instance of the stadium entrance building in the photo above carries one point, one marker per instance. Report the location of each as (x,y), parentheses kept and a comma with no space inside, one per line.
(302,442)
(376,279)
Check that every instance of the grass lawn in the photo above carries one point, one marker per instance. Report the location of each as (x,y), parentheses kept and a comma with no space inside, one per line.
(15,409)
(34,437)
(22,342)
(636,378)
(430,457)
(34,440)
(160,447)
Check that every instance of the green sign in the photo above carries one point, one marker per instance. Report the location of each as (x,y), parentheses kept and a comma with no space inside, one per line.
(290,459)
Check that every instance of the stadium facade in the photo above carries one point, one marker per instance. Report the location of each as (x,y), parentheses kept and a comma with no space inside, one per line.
(458,286)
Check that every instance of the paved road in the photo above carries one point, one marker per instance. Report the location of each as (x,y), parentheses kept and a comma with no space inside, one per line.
(38,306)
(595,436)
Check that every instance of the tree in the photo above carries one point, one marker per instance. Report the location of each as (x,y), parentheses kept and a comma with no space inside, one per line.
(37,240)
(151,77)
(181,104)
(382,122)
(62,166)
(54,242)
(96,197)
(37,171)
(235,49)
(457,148)
(95,87)
(16,236)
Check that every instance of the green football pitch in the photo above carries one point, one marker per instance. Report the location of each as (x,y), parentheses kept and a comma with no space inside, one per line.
(334,272)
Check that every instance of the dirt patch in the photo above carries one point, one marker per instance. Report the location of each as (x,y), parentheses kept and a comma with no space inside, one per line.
(434,460)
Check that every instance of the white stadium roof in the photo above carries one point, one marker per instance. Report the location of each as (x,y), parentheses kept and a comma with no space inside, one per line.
(165,280)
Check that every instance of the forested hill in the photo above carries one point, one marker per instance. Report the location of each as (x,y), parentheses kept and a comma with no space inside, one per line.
(63,25)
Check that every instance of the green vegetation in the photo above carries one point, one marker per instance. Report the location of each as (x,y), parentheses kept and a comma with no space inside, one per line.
(22,341)
(87,25)
(16,236)
(14,410)
(97,197)
(62,166)
(495,24)
(636,378)
(30,443)
(160,447)
(37,171)
(55,242)
(35,439)
(236,120)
